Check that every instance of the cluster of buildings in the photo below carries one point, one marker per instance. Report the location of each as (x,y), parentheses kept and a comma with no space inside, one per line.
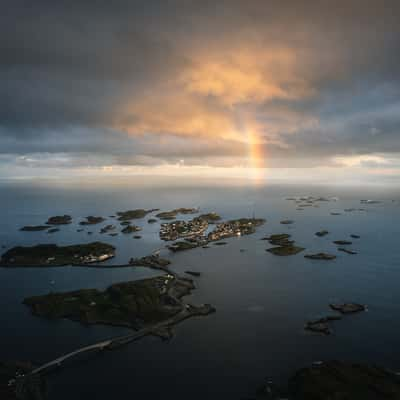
(90,258)
(183,229)
(237,227)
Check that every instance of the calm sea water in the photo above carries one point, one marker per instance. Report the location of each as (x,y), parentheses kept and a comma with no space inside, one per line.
(262,301)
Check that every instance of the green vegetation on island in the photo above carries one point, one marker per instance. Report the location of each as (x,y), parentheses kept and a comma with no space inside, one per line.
(152,261)
(133,214)
(173,213)
(211,217)
(279,239)
(235,227)
(284,246)
(285,250)
(46,255)
(182,245)
(131,304)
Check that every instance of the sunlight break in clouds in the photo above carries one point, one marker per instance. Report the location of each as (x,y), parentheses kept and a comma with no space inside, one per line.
(212,97)
(227,84)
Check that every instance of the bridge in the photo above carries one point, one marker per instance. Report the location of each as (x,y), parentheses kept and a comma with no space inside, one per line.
(121,340)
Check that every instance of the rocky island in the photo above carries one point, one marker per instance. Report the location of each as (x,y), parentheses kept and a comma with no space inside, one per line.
(108,228)
(284,246)
(211,217)
(173,213)
(34,228)
(348,308)
(342,242)
(131,229)
(321,325)
(182,245)
(134,304)
(285,250)
(336,380)
(320,256)
(59,220)
(51,255)
(134,214)
(152,261)
(91,220)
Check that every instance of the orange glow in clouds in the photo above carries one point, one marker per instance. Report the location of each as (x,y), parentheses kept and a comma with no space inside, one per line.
(257,157)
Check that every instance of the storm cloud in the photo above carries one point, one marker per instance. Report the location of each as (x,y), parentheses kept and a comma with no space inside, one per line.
(204,82)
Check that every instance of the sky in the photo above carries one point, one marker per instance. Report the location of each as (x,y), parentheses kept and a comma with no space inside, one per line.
(259,89)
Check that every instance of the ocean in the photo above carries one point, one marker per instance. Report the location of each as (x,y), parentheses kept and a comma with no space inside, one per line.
(262,300)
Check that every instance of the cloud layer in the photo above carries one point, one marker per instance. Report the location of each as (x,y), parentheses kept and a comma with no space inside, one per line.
(290,83)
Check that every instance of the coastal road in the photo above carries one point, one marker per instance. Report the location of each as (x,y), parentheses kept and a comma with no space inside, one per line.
(119,341)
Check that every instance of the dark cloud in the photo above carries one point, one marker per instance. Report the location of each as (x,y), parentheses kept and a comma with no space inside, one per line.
(143,82)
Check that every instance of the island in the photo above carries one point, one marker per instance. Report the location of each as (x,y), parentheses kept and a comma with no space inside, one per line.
(91,220)
(59,220)
(320,256)
(279,239)
(183,229)
(285,250)
(173,213)
(348,308)
(348,251)
(182,245)
(34,228)
(235,227)
(151,261)
(342,242)
(134,214)
(193,232)
(341,380)
(321,325)
(17,383)
(108,228)
(131,229)
(284,246)
(211,217)
(51,255)
(135,304)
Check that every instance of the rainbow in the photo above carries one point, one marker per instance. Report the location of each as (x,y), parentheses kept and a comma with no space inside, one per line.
(256,157)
